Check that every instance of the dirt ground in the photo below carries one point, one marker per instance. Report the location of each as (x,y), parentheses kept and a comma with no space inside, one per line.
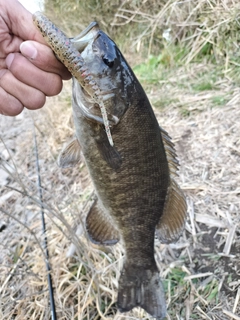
(200,272)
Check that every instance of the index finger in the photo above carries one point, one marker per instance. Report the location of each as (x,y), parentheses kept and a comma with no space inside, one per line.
(20,23)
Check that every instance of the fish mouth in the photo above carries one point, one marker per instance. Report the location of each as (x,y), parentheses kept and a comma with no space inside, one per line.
(89,34)
(80,42)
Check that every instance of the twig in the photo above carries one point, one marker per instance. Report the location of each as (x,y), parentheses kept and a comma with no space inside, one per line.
(231,315)
(13,270)
(13,216)
(196,276)
(229,241)
(236,301)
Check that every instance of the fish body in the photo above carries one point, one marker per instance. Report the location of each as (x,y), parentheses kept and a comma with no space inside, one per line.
(136,194)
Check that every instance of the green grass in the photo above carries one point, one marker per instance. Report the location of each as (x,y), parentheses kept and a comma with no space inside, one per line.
(210,291)
(176,280)
(149,71)
(181,290)
(185,112)
(163,102)
(219,100)
(203,86)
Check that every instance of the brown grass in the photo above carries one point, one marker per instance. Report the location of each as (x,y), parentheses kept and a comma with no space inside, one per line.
(200,27)
(200,271)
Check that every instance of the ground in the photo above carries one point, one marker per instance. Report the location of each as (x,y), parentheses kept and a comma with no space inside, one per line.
(200,272)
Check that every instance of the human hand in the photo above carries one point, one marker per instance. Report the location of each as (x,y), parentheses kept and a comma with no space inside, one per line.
(29,71)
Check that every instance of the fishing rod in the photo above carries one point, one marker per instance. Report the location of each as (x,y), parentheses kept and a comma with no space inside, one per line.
(45,242)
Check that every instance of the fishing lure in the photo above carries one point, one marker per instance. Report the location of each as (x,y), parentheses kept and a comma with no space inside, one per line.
(65,51)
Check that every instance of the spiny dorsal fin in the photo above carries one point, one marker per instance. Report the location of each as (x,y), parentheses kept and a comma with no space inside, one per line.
(172,221)
(70,154)
(170,153)
(99,227)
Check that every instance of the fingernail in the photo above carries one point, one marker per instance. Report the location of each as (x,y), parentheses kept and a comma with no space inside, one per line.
(9,60)
(28,49)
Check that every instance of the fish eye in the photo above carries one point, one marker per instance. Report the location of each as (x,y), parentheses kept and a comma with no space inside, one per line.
(108,62)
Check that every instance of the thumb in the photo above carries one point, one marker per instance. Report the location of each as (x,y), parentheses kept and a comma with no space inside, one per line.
(43,57)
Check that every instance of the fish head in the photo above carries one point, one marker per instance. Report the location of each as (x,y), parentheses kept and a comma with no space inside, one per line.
(107,73)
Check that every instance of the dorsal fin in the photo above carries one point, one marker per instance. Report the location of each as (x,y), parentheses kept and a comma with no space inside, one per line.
(173,163)
(172,221)
(70,154)
(99,226)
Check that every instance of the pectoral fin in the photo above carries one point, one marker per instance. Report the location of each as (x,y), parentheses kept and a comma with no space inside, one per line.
(100,229)
(172,222)
(109,153)
(70,154)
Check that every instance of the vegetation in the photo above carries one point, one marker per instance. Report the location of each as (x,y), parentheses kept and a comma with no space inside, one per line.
(186,55)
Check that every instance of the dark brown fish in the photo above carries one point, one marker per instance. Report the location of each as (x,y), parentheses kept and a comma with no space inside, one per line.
(131,160)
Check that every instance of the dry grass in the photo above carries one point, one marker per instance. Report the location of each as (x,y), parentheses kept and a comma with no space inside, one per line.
(203,27)
(201,271)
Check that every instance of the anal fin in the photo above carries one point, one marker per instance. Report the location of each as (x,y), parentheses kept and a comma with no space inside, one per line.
(100,228)
(172,221)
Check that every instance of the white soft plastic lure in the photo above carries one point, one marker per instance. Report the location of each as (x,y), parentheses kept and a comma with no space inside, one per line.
(66,52)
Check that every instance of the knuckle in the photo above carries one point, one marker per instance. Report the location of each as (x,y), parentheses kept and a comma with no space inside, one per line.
(13,109)
(5,76)
(39,100)
(36,100)
(9,105)
(55,86)
(17,63)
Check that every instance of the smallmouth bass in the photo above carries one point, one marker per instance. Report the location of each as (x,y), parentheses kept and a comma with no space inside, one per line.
(131,160)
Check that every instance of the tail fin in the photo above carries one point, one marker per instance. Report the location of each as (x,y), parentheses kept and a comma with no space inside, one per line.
(143,288)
